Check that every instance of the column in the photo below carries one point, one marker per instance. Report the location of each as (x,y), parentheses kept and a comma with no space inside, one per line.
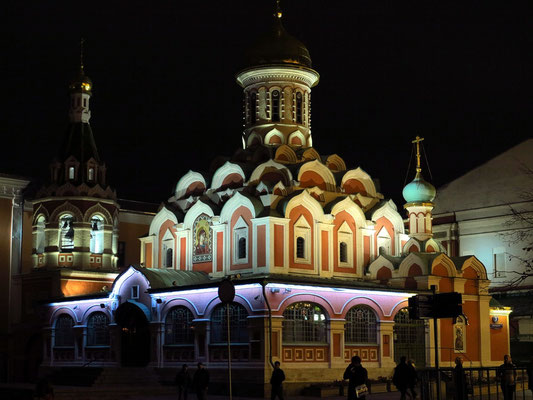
(386,348)
(336,348)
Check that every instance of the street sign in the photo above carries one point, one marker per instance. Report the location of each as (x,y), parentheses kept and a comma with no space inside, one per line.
(441,305)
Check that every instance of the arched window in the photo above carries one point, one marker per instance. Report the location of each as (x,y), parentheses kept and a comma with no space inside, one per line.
(97,235)
(242,248)
(304,323)
(252,107)
(98,329)
(343,252)
(71,172)
(66,233)
(238,324)
(361,325)
(169,258)
(90,175)
(178,329)
(63,332)
(299,107)
(300,247)
(275,105)
(39,235)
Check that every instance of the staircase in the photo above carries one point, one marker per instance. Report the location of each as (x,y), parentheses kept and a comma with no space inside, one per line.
(117,383)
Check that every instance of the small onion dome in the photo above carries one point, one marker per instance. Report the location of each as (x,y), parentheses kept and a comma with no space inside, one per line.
(277,47)
(81,83)
(419,190)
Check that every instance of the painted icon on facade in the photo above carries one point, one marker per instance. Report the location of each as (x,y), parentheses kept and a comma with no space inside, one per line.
(202,240)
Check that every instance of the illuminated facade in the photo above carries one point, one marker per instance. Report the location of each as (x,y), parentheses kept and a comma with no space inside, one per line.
(320,260)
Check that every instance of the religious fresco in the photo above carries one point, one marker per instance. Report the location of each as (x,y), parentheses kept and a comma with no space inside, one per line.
(459,342)
(202,240)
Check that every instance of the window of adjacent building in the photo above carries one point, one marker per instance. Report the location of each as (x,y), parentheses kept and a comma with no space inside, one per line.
(499,262)
(71,172)
(121,253)
(299,109)
(238,317)
(66,233)
(361,326)
(98,329)
(275,105)
(304,323)
(97,235)
(135,292)
(90,175)
(252,107)
(63,331)
(40,235)
(178,326)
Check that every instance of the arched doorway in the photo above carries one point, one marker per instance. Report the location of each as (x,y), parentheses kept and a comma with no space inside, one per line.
(409,338)
(134,335)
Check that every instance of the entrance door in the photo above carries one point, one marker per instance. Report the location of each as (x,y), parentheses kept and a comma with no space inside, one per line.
(134,335)
(409,338)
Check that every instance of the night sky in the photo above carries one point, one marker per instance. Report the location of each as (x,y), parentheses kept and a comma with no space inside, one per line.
(165,98)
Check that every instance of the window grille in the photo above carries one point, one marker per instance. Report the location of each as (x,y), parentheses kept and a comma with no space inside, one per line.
(252,108)
(300,247)
(409,338)
(238,324)
(343,252)
(299,107)
(242,248)
(98,330)
(178,326)
(275,105)
(64,334)
(304,323)
(361,325)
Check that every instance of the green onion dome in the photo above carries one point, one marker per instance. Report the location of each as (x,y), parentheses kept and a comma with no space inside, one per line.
(419,190)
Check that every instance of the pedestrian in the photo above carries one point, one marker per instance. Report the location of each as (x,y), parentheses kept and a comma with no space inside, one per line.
(357,377)
(401,377)
(529,370)
(183,381)
(459,380)
(201,382)
(276,380)
(44,390)
(412,379)
(507,375)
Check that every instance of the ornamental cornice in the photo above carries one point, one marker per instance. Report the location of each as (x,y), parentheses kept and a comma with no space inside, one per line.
(249,77)
(10,187)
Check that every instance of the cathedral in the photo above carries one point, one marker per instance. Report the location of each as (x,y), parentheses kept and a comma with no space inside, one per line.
(321,261)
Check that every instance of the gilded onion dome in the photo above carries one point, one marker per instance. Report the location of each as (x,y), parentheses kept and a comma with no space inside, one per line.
(419,190)
(277,47)
(81,82)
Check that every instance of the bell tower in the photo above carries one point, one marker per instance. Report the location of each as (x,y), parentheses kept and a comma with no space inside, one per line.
(277,81)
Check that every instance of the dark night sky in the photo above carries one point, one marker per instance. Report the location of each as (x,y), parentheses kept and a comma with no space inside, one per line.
(165,98)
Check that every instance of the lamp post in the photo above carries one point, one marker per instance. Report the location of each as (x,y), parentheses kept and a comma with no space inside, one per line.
(226,294)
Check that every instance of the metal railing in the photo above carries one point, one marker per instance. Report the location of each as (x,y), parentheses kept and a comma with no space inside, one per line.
(482,384)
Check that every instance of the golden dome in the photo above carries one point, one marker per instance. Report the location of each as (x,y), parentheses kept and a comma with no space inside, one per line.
(277,47)
(81,82)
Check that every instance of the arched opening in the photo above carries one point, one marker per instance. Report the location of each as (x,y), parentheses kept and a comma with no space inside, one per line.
(305,322)
(66,233)
(361,326)
(134,335)
(97,235)
(409,338)
(39,235)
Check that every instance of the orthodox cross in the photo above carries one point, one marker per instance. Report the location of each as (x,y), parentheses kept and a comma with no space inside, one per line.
(417,141)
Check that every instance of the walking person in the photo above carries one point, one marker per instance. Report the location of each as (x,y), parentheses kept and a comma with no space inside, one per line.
(276,380)
(401,377)
(183,381)
(459,380)
(201,381)
(412,379)
(357,377)
(507,375)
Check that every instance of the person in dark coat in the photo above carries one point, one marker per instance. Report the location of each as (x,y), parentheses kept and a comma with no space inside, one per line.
(356,376)
(411,382)
(529,370)
(402,375)
(507,376)
(183,381)
(201,382)
(459,380)
(276,380)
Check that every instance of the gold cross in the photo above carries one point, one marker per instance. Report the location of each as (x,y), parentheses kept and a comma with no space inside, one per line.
(417,141)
